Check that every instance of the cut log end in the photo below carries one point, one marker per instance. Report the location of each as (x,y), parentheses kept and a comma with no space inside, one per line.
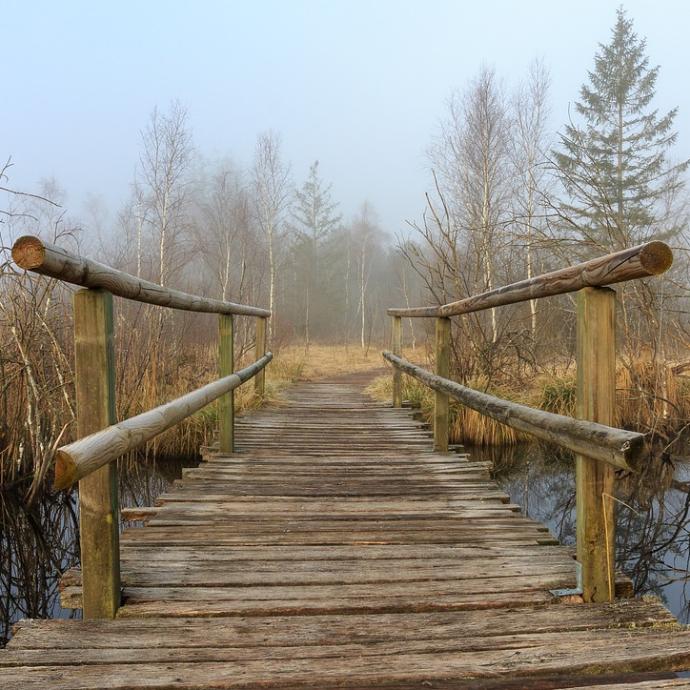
(28,252)
(636,452)
(65,471)
(656,257)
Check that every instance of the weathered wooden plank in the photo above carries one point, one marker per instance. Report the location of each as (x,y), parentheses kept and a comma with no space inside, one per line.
(212,492)
(143,574)
(613,651)
(342,606)
(290,631)
(525,643)
(369,552)
(138,513)
(350,564)
(335,508)
(196,535)
(351,596)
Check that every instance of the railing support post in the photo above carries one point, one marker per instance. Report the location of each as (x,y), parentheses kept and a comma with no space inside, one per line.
(98,493)
(260,379)
(441,399)
(596,401)
(396,346)
(226,363)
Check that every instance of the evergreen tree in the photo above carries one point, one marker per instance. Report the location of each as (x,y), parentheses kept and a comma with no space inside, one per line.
(314,219)
(614,165)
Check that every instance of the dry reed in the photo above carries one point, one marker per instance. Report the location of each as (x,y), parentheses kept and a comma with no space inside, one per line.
(643,403)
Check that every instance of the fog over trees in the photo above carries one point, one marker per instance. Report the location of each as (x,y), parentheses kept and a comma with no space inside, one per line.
(511,194)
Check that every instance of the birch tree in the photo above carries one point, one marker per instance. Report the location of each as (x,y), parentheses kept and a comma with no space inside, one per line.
(223,231)
(163,174)
(471,157)
(271,180)
(164,164)
(530,174)
(365,232)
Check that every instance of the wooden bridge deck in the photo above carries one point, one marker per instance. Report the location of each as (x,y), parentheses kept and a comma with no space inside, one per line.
(335,550)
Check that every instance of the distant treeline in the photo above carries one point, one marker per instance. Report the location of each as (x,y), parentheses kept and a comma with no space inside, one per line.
(509,198)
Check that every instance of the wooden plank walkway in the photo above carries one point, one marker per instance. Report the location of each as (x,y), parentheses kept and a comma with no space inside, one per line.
(335,550)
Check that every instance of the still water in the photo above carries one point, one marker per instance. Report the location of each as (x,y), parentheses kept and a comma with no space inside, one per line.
(40,542)
(652,537)
(652,514)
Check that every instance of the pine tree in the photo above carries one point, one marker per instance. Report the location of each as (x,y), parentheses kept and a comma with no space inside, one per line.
(614,165)
(314,219)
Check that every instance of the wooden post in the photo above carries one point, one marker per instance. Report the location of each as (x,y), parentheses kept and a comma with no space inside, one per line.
(98,492)
(596,401)
(396,346)
(226,363)
(441,399)
(260,378)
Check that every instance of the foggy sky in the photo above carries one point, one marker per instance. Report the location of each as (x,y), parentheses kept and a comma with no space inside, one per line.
(358,85)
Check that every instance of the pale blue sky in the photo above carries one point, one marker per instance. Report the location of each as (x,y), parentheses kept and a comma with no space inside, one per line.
(359,85)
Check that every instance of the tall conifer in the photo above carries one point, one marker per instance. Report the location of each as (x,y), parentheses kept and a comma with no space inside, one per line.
(614,163)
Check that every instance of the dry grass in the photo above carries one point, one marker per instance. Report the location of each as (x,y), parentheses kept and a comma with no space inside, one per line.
(198,366)
(465,425)
(640,406)
(643,403)
(323,361)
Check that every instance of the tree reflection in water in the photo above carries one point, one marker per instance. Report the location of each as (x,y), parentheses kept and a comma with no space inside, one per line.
(652,514)
(39,542)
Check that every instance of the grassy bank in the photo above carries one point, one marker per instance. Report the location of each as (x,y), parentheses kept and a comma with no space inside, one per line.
(289,365)
(141,388)
(642,405)
(147,384)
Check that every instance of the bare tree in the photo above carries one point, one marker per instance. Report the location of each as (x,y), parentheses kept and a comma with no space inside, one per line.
(364,231)
(272,187)
(530,175)
(471,157)
(223,233)
(164,165)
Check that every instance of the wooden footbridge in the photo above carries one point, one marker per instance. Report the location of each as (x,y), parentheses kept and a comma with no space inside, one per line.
(326,542)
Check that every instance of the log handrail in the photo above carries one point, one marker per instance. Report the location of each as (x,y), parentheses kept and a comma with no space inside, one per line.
(33,254)
(618,447)
(89,460)
(642,261)
(599,448)
(79,458)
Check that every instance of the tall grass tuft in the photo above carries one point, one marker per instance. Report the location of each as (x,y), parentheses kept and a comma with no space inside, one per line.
(643,403)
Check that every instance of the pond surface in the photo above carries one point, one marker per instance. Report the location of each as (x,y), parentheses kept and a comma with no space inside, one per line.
(652,514)
(38,543)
